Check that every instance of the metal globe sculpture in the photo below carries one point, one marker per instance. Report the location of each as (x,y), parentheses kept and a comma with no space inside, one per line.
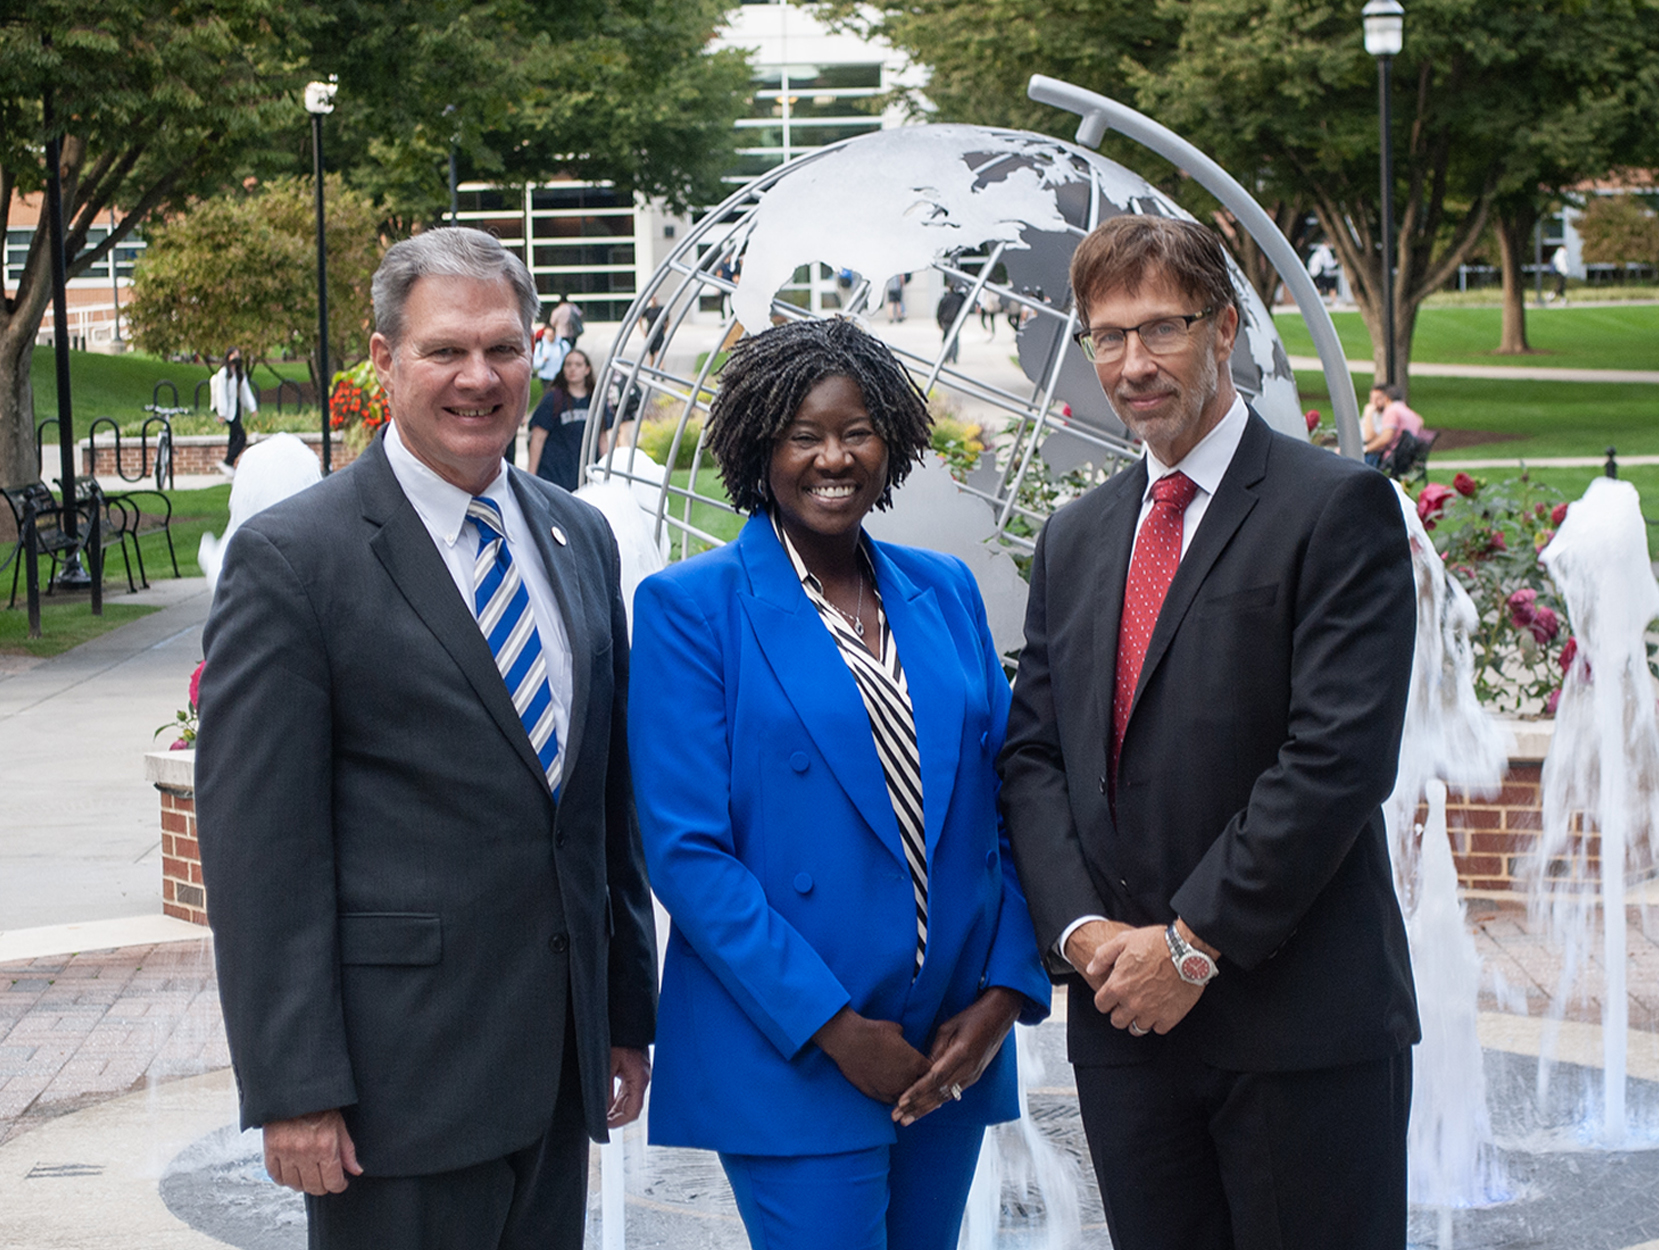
(994,213)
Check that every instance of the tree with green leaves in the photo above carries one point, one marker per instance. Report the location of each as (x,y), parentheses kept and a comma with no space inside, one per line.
(154,103)
(1619,230)
(1283,94)
(240,268)
(624,91)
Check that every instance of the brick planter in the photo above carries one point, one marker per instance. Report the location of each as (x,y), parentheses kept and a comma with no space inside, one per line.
(183,895)
(194,455)
(1495,838)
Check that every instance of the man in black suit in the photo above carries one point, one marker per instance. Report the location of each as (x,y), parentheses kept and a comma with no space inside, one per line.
(433,931)
(1205,722)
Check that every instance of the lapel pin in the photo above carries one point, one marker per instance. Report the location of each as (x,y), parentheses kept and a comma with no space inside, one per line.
(558,536)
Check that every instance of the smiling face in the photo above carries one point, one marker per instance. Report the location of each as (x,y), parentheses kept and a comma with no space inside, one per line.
(829,466)
(458,382)
(1168,402)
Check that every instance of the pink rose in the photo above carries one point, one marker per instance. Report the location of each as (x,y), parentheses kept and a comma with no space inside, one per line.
(1544,625)
(179,745)
(1522,609)
(1495,541)
(1432,502)
(1553,702)
(1464,485)
(1312,418)
(196,683)
(1558,514)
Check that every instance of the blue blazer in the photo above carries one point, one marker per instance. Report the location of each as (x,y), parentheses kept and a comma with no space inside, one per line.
(772,842)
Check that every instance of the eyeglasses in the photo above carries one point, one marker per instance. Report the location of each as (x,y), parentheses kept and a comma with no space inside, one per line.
(1161,336)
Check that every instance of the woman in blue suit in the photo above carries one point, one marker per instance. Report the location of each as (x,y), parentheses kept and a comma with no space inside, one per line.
(813,721)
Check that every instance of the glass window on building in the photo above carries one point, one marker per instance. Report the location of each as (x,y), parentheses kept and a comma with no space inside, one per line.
(796,108)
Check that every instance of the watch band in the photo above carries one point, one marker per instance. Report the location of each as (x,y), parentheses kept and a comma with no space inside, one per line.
(1191,964)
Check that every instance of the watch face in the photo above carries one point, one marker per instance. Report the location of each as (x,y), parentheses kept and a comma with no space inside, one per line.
(1196,968)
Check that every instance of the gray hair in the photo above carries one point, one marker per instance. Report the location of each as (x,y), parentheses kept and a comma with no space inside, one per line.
(447,252)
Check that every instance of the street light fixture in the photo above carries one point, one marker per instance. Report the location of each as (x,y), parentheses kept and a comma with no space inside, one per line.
(1384,36)
(319,102)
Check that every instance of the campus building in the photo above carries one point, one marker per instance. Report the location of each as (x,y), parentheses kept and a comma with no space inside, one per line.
(93,298)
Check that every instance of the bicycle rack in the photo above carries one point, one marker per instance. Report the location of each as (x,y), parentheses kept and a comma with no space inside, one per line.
(297,393)
(164,449)
(196,399)
(155,393)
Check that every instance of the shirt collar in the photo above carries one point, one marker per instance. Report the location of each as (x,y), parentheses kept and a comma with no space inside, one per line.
(801,570)
(1206,463)
(441,505)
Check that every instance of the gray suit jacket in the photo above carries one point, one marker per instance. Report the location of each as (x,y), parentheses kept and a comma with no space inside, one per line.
(404,919)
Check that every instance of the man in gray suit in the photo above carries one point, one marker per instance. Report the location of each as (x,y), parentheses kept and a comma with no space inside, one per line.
(431,920)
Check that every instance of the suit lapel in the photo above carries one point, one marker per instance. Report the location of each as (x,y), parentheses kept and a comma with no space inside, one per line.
(560,563)
(1234,499)
(813,676)
(932,672)
(405,550)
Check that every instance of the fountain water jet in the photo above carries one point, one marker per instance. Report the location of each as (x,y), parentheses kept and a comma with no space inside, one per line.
(1603,763)
(1449,739)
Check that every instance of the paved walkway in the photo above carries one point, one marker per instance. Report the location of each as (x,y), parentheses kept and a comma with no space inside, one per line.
(1511,373)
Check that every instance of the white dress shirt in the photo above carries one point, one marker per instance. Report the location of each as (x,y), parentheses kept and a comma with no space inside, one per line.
(442,508)
(1205,464)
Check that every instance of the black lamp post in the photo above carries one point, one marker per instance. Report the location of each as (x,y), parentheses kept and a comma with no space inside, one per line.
(319,102)
(1384,26)
(454,172)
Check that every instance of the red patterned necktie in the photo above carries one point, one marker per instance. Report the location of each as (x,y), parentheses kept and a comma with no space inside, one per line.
(1152,568)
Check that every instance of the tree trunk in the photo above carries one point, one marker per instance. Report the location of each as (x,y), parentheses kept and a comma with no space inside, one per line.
(19,464)
(1514,231)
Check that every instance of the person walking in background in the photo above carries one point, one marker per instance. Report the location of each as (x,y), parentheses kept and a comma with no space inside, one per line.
(950,304)
(566,322)
(547,355)
(559,421)
(433,933)
(895,297)
(817,714)
(231,396)
(652,330)
(1205,723)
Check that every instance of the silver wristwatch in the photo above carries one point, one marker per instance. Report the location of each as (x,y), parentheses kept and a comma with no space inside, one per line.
(1193,965)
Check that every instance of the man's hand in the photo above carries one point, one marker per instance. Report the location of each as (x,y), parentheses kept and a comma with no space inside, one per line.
(630,1074)
(962,1049)
(1138,986)
(311,1153)
(1085,941)
(872,1054)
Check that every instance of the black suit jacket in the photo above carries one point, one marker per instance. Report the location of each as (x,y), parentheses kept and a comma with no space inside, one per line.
(1263,739)
(403,917)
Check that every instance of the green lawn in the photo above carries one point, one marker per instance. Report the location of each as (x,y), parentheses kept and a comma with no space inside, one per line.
(120,386)
(1552,418)
(63,623)
(1624,337)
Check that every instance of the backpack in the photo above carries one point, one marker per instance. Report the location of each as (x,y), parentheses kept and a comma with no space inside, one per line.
(577,325)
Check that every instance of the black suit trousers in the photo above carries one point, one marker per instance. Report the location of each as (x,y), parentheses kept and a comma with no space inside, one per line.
(1191,1157)
(533,1199)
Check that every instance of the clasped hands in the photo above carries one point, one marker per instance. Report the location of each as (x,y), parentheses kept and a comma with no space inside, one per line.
(1133,978)
(874,1056)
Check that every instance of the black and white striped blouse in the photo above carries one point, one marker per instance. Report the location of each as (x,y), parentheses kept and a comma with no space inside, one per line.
(886,694)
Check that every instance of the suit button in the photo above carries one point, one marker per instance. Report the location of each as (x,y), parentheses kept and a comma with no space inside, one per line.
(799,762)
(803,883)
(990,859)
(559,840)
(559,943)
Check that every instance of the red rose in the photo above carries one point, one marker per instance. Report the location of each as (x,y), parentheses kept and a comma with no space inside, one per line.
(1522,607)
(1538,510)
(196,682)
(1569,650)
(1544,625)
(1432,502)
(1558,514)
(1553,702)
(1495,541)
(1464,485)
(1312,418)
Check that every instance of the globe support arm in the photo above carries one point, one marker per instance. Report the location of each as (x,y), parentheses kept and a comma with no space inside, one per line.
(1100,114)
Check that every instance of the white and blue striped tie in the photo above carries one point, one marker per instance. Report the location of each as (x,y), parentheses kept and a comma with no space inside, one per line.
(503,608)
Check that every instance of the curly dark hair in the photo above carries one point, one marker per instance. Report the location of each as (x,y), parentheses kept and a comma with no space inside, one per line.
(768,377)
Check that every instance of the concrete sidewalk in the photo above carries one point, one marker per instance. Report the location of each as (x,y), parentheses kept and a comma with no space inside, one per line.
(81,838)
